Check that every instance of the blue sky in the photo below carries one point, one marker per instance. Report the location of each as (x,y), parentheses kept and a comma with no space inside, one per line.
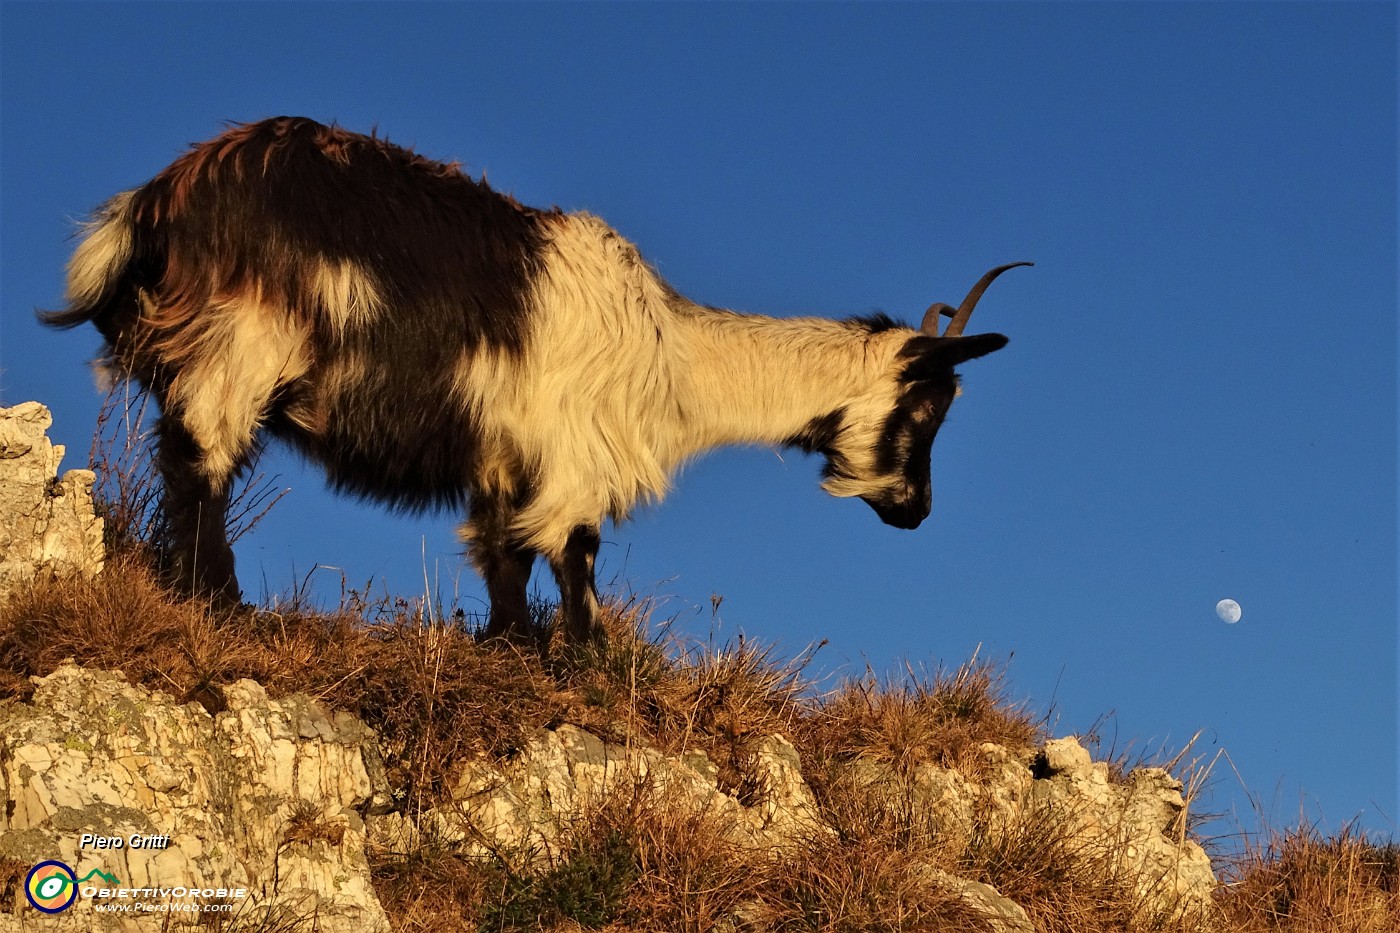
(1199,397)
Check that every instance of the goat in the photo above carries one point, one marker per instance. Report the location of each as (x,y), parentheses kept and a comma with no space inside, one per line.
(434,343)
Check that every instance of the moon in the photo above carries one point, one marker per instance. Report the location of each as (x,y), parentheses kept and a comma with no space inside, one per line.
(1229,611)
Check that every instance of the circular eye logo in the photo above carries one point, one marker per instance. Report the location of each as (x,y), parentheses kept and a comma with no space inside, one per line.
(51,887)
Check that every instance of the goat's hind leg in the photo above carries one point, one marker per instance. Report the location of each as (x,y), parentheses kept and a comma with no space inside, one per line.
(200,560)
(504,563)
(226,370)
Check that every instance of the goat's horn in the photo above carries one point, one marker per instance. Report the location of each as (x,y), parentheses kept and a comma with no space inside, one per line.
(930,324)
(955,326)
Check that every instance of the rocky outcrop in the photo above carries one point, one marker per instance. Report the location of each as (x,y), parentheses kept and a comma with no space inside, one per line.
(1142,818)
(525,804)
(262,803)
(1136,826)
(274,801)
(47,524)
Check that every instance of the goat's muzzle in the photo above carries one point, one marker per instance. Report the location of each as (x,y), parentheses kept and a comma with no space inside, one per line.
(904,512)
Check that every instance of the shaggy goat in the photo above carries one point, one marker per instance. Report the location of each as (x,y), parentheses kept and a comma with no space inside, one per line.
(433,343)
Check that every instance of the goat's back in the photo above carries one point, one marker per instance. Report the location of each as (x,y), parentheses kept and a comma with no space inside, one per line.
(326,283)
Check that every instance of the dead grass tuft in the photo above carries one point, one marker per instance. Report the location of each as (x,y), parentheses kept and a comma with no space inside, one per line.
(435,681)
(652,686)
(432,889)
(920,717)
(1298,881)
(687,872)
(1066,882)
(870,884)
(307,824)
(120,620)
(638,858)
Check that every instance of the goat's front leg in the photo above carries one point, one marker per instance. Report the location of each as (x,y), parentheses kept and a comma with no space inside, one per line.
(504,563)
(578,596)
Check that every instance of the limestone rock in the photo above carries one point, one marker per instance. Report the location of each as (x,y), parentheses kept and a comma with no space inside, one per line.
(518,809)
(1002,914)
(47,525)
(786,808)
(265,797)
(280,797)
(1143,816)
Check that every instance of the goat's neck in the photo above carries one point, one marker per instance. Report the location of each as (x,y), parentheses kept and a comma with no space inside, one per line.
(748,379)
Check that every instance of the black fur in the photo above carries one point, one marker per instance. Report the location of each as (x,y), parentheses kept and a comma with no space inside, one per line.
(906,440)
(875,323)
(443,246)
(255,215)
(819,434)
(911,426)
(931,357)
(394,435)
(452,260)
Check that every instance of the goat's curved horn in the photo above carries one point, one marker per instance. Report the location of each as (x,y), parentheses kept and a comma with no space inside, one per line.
(960,316)
(930,324)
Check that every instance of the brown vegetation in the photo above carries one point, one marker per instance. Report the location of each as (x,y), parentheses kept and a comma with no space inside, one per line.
(1298,881)
(637,861)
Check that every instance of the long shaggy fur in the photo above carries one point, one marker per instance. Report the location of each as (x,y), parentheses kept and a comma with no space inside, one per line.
(434,343)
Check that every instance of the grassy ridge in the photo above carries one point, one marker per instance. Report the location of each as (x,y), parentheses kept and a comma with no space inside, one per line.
(638,861)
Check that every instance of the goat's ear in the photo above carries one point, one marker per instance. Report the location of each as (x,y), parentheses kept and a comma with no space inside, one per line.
(933,355)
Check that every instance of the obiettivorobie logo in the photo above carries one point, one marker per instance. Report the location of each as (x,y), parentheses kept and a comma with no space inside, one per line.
(52,886)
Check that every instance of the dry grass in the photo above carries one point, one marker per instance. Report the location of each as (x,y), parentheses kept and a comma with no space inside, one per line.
(121,620)
(918,717)
(1298,881)
(865,744)
(654,687)
(867,884)
(415,683)
(655,861)
(1065,882)
(307,824)
(639,862)
(432,889)
(638,859)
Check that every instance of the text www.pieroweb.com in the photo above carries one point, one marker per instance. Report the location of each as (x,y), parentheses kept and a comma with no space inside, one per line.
(156,900)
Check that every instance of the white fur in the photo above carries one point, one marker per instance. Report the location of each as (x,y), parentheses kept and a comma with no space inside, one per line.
(622,382)
(103,253)
(247,350)
(348,294)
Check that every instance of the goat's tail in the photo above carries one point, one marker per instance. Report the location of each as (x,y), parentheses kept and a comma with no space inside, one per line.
(98,265)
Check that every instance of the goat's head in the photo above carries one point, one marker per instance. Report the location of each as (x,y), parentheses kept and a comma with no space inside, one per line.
(879,447)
